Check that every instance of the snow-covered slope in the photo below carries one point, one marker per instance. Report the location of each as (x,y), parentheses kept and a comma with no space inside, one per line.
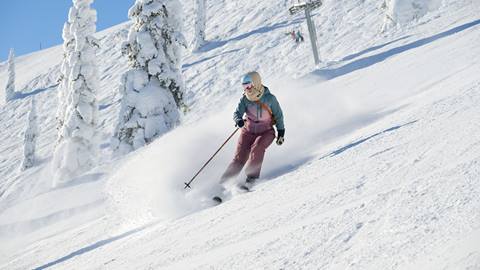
(380,169)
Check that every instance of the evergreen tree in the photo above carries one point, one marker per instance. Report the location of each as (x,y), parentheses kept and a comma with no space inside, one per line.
(10,88)
(401,12)
(76,151)
(30,138)
(68,49)
(200,24)
(152,90)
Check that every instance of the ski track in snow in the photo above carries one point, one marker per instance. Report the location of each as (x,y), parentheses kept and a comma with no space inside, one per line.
(380,169)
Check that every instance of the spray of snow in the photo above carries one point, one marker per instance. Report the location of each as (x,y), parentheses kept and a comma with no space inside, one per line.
(141,192)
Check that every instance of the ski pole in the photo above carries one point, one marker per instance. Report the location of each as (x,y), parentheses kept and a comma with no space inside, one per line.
(193,178)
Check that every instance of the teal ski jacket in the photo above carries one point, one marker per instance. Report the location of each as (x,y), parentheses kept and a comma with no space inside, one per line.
(259,118)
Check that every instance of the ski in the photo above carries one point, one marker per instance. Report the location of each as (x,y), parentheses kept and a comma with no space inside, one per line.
(217,199)
(244,188)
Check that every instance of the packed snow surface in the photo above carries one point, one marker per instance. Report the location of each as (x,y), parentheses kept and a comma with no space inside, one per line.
(380,167)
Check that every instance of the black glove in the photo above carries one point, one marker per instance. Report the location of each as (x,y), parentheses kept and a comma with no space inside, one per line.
(240,123)
(280,136)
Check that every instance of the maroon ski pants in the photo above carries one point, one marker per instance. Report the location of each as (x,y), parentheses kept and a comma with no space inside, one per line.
(250,150)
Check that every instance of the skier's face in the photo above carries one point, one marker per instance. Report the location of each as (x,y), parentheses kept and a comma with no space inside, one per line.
(248,86)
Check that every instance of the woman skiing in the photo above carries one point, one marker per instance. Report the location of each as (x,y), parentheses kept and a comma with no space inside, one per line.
(262,112)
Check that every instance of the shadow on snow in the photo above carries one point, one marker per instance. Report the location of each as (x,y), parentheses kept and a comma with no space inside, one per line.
(93,246)
(264,29)
(356,143)
(371,49)
(19,95)
(362,63)
(185,66)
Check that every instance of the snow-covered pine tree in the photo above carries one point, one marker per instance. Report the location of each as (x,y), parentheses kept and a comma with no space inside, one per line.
(10,87)
(388,21)
(152,90)
(30,138)
(401,12)
(200,24)
(77,151)
(68,49)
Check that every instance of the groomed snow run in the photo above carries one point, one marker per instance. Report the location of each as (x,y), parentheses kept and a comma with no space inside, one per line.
(380,168)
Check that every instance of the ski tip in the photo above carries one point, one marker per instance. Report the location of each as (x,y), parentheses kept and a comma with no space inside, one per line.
(244,188)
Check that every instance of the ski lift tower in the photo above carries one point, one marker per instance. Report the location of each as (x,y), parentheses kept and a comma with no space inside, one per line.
(308,7)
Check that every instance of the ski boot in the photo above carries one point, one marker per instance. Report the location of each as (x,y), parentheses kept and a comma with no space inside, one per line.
(221,193)
(217,199)
(247,186)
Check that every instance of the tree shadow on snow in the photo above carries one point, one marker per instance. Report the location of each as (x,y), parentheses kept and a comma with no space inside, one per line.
(264,29)
(185,66)
(331,73)
(356,143)
(371,49)
(94,246)
(19,95)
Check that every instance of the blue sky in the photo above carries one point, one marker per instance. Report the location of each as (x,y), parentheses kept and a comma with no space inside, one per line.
(25,24)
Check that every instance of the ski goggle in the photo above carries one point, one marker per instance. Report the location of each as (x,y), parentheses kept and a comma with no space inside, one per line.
(247,85)
(247,82)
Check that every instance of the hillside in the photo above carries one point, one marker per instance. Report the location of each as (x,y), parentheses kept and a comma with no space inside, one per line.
(380,169)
